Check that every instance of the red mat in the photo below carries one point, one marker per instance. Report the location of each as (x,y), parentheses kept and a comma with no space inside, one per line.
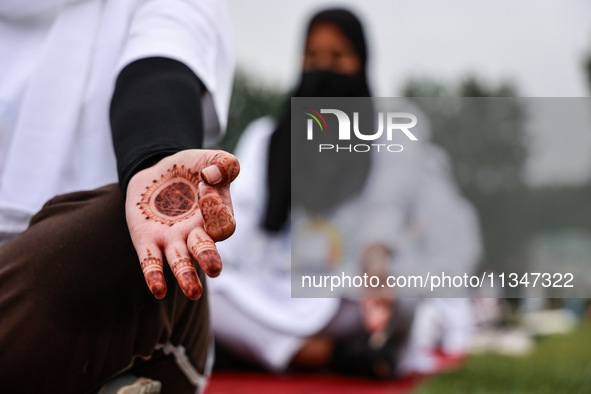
(256,383)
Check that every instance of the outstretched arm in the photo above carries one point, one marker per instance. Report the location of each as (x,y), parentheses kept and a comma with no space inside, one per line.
(177,195)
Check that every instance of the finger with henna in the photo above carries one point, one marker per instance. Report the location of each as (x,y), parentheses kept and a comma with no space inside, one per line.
(219,222)
(151,263)
(204,251)
(184,271)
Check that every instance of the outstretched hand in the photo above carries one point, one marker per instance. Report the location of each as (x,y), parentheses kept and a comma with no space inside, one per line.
(178,208)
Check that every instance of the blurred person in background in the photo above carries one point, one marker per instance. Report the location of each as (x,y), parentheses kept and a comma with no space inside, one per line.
(75,308)
(253,313)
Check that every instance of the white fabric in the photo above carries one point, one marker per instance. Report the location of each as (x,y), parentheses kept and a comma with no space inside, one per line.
(19,9)
(59,62)
(240,330)
(444,323)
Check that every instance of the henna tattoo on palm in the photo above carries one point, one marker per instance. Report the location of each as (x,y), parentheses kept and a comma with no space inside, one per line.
(172,198)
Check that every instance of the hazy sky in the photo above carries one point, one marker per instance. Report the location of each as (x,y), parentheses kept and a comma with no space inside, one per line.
(537,44)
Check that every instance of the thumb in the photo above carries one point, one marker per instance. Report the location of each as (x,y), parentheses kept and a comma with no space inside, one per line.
(223,168)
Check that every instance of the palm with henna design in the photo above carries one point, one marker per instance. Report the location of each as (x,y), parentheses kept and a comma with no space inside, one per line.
(178,208)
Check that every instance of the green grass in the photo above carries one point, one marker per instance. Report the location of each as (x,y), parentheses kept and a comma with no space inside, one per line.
(558,364)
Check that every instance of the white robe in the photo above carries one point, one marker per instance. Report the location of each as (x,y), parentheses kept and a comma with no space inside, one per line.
(59,62)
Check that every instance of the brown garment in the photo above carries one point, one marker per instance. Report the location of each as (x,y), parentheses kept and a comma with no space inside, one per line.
(75,309)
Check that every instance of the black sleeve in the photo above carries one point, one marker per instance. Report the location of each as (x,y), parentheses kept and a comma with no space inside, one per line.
(155,112)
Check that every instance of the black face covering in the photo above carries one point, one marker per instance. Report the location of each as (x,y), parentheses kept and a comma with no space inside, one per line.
(330,84)
(328,191)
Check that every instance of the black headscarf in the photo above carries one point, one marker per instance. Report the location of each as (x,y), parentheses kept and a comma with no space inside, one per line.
(312,84)
(350,26)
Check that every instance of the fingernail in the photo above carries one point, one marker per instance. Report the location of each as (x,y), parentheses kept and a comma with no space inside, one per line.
(212,174)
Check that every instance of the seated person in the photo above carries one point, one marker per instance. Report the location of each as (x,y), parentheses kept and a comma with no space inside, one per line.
(134,191)
(253,313)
